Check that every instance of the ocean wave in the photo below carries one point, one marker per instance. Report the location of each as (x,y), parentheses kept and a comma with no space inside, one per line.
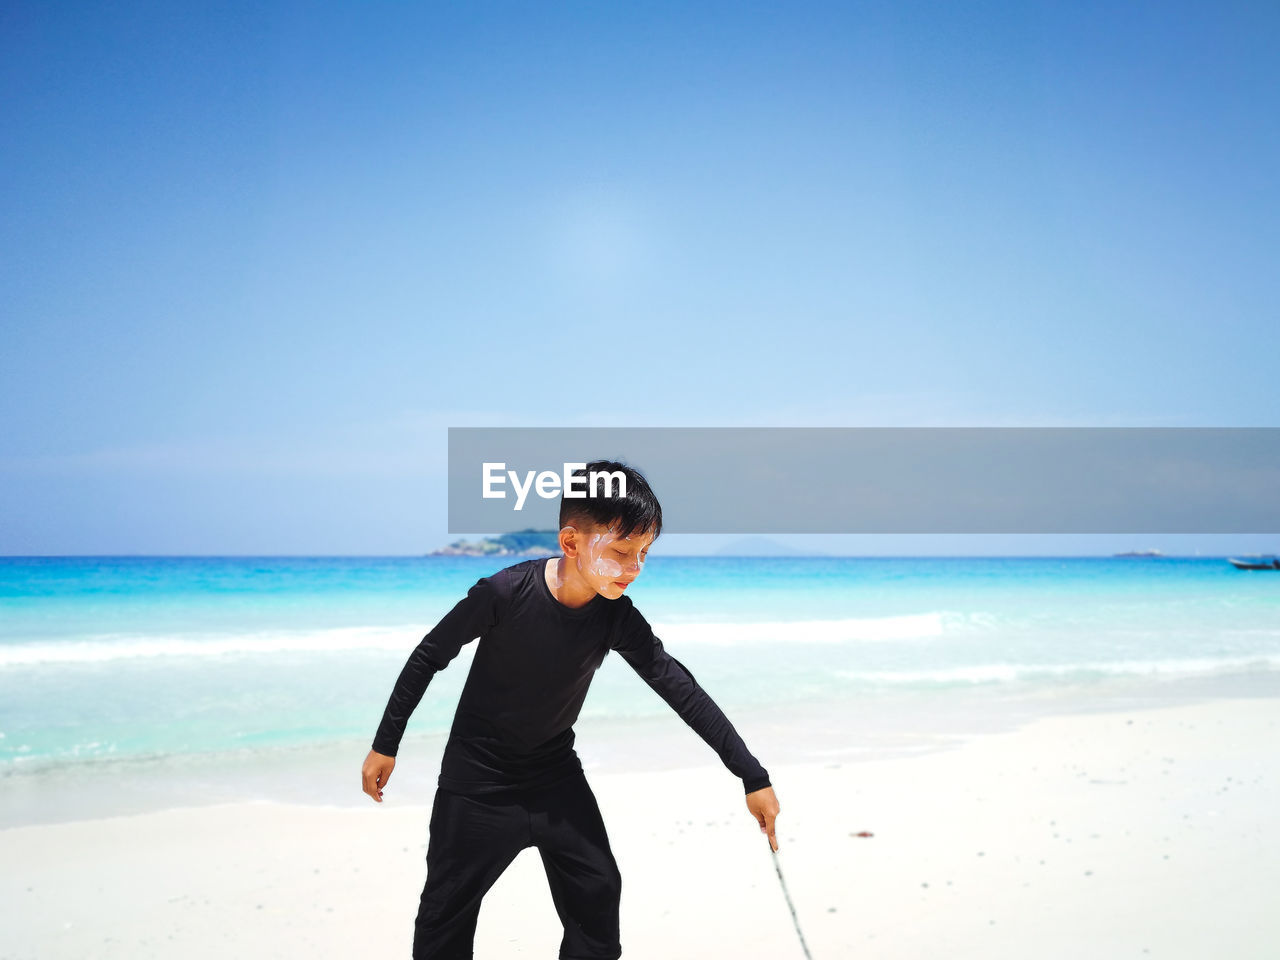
(402,639)
(105,648)
(1014,672)
(902,627)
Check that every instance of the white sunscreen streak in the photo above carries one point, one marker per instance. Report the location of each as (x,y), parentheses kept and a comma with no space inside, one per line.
(597,564)
(602,566)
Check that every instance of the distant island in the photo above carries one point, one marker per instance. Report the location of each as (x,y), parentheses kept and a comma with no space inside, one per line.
(523,543)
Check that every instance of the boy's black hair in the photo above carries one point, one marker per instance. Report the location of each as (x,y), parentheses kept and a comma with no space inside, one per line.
(639,510)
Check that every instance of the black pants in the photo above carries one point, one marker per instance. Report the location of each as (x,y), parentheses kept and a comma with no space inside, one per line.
(474,839)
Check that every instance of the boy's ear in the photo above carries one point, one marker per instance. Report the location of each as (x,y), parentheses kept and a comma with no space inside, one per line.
(569,540)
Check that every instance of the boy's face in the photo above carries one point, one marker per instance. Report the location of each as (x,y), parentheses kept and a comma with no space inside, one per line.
(609,563)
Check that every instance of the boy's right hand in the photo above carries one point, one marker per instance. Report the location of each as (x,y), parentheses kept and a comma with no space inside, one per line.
(763,804)
(376,772)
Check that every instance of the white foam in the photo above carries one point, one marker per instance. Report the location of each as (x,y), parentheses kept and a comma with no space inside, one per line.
(866,629)
(1011,672)
(101,649)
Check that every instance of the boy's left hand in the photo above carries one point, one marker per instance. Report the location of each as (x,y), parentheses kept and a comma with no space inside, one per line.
(764,807)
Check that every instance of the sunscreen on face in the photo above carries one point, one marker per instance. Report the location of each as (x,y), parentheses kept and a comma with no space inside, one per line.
(596,563)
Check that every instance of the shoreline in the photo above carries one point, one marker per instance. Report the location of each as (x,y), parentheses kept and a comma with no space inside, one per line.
(327,775)
(1140,831)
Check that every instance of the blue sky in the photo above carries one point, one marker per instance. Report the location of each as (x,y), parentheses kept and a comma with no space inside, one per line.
(258,258)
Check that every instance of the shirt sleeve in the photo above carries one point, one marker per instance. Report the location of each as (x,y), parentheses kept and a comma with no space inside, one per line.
(470,618)
(672,680)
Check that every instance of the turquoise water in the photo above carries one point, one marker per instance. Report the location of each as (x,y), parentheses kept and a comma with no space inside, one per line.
(150,657)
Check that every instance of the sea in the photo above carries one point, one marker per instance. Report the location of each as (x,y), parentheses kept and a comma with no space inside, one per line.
(111,665)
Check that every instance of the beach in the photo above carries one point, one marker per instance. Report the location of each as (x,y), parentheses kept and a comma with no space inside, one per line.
(1053,757)
(1136,830)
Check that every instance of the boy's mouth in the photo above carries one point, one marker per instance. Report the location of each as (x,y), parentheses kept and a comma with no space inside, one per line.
(622,584)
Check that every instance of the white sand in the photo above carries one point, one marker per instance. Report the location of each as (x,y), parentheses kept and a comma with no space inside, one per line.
(1144,833)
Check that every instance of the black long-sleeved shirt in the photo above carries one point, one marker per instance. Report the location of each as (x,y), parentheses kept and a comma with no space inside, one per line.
(534,664)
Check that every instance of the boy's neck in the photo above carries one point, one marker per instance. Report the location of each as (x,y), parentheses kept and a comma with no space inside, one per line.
(563,588)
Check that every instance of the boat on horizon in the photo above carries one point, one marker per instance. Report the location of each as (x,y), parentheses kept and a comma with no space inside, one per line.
(1256,561)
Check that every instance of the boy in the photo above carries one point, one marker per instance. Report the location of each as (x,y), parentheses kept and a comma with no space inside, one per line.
(509,776)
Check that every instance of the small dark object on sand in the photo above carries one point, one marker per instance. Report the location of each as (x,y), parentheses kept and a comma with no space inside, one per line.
(862,833)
